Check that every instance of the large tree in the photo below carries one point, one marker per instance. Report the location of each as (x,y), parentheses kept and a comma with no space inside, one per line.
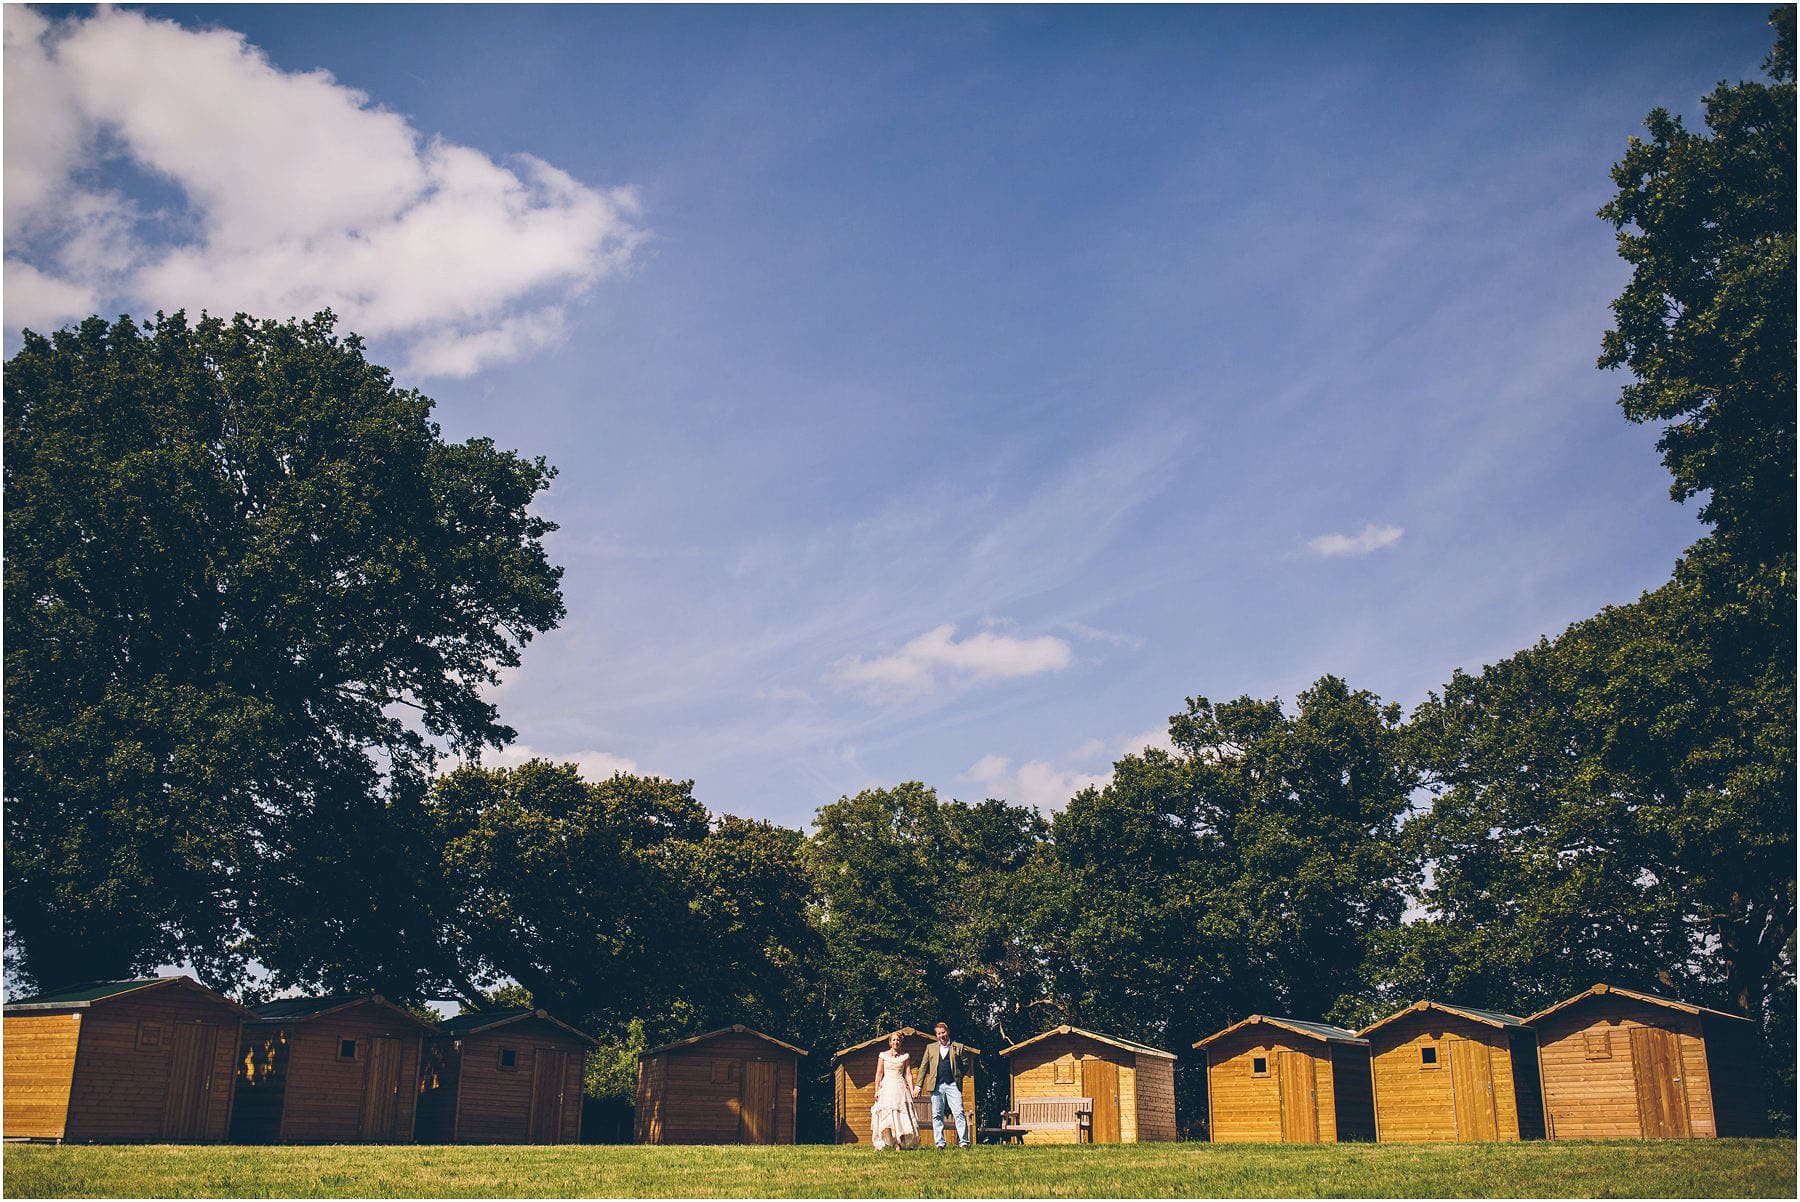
(1612,804)
(1615,804)
(1252,870)
(1706,325)
(620,899)
(249,588)
(1618,803)
(923,906)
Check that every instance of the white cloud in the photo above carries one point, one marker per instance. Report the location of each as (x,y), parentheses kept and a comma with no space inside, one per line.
(1156,737)
(1048,786)
(37,300)
(1037,783)
(594,765)
(981,656)
(302,193)
(1370,538)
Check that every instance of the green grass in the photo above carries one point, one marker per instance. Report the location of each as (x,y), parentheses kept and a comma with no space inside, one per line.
(1674,1169)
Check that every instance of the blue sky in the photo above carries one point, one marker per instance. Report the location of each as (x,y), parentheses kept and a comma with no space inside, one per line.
(938,393)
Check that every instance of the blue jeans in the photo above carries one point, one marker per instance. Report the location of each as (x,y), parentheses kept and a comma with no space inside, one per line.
(948,1096)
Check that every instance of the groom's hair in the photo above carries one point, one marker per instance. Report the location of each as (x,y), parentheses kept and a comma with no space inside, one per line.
(936,1025)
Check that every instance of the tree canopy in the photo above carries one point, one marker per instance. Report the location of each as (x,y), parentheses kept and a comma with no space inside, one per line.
(1706,324)
(237,553)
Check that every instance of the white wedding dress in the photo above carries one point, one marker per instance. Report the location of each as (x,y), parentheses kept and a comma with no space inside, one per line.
(891,1118)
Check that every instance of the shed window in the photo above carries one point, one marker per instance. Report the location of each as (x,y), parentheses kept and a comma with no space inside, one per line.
(149,1036)
(1599,1044)
(509,1060)
(1065,1072)
(725,1071)
(346,1049)
(1428,1057)
(1259,1066)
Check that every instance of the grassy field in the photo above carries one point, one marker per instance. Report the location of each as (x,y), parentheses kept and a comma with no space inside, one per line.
(1675,1169)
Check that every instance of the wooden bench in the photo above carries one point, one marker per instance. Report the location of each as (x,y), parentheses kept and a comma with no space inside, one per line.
(922,1116)
(1047,1114)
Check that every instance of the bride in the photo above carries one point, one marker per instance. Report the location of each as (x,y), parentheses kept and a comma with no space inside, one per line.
(891,1118)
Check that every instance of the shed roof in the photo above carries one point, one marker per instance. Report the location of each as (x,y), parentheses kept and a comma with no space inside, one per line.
(1130,1045)
(928,1036)
(733,1029)
(306,1009)
(477,1021)
(80,997)
(1322,1031)
(1493,1018)
(1603,989)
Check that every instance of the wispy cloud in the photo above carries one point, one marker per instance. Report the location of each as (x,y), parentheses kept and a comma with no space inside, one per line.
(301,193)
(920,664)
(1095,634)
(1369,538)
(782,694)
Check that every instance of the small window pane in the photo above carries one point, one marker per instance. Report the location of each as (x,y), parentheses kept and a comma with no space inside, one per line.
(149,1036)
(1599,1044)
(346,1049)
(509,1059)
(1428,1057)
(1259,1066)
(1065,1072)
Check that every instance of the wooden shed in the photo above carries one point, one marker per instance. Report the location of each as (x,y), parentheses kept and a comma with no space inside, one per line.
(1283,1079)
(1619,1064)
(502,1077)
(730,1086)
(329,1070)
(1446,1072)
(1132,1084)
(119,1061)
(854,1083)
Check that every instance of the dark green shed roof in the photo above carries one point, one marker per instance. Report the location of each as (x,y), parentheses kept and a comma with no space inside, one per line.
(80,997)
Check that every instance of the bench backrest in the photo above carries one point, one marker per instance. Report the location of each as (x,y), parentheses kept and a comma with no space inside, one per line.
(922,1110)
(1053,1112)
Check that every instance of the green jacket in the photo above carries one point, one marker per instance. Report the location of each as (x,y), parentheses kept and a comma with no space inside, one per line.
(928,1068)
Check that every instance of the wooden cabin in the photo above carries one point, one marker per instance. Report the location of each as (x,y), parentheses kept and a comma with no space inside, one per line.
(1623,1065)
(1132,1085)
(329,1070)
(119,1061)
(1285,1080)
(502,1077)
(730,1086)
(1446,1072)
(854,1082)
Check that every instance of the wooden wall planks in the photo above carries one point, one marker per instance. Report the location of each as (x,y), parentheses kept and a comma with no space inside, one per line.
(694,1094)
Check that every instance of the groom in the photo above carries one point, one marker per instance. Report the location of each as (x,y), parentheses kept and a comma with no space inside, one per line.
(941,1076)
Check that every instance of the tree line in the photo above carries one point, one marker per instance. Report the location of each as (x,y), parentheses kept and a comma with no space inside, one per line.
(251,593)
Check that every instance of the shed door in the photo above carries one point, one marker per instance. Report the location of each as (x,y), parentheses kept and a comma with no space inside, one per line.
(756,1113)
(549,1082)
(1472,1088)
(1100,1081)
(1661,1092)
(190,1080)
(1299,1097)
(381,1091)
